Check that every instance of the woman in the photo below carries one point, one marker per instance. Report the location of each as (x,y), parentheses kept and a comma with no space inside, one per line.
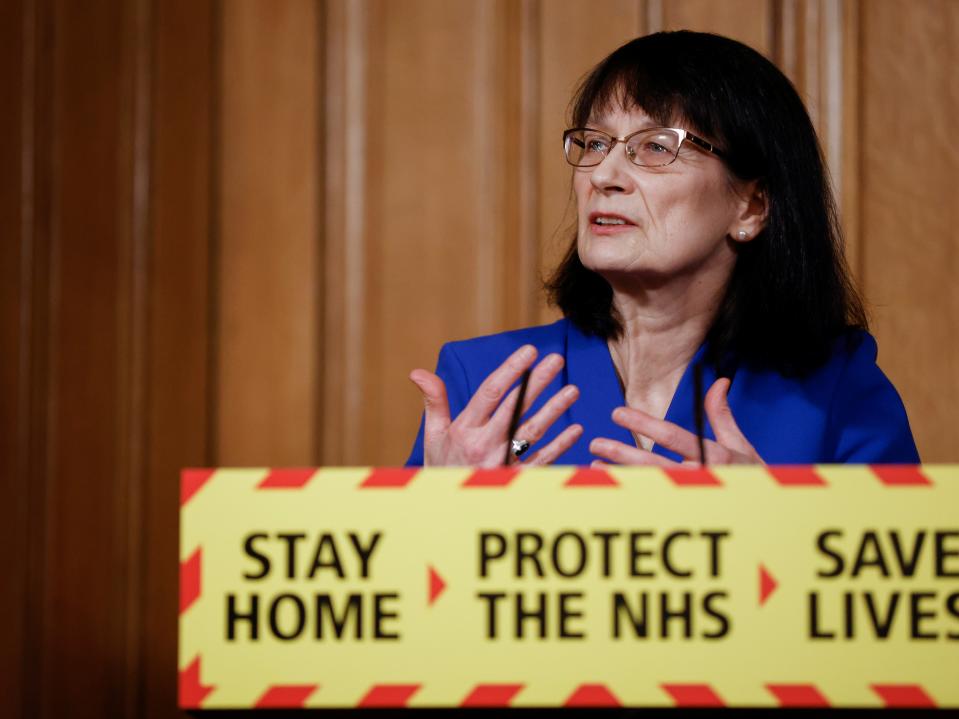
(706,240)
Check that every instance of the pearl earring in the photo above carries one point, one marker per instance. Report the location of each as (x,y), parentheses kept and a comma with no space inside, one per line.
(742,234)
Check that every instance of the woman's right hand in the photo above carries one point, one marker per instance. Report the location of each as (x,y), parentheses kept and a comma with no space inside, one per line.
(478,436)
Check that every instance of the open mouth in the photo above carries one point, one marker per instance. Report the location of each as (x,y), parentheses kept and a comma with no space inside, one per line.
(608,221)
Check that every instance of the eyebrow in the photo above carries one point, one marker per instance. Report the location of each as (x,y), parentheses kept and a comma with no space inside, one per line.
(646,124)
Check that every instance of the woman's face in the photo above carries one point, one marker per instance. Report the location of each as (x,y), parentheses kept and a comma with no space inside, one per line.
(678,218)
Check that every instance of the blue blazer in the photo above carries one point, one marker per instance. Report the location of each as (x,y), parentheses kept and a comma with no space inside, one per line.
(847,411)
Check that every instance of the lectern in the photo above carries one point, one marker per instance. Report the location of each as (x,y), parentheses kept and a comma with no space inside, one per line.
(755,586)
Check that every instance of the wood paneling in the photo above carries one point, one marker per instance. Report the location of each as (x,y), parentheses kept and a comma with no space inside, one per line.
(84,603)
(179,387)
(14,363)
(427,201)
(93,532)
(267,259)
(434,235)
(815,43)
(34,396)
(749,21)
(520,280)
(344,131)
(910,218)
(849,186)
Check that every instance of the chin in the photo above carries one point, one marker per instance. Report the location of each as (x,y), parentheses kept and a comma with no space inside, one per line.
(624,271)
(603,255)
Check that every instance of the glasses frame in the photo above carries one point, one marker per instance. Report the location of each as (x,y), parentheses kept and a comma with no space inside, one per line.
(684,135)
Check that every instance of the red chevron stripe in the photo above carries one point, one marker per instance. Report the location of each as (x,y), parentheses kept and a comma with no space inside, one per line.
(693,695)
(592,695)
(589,477)
(389,695)
(191,481)
(287,478)
(903,695)
(285,696)
(796,476)
(491,695)
(190,692)
(898,474)
(798,695)
(499,477)
(190,571)
(692,477)
(389,477)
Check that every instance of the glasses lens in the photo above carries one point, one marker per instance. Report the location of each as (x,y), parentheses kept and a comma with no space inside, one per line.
(654,148)
(585,148)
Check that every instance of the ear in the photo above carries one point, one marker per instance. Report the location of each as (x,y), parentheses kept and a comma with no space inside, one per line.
(752,210)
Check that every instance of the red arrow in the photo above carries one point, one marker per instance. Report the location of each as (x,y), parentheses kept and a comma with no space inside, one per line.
(436,585)
(767,584)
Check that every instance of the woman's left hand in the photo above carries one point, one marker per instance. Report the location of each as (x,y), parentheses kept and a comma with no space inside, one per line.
(730,447)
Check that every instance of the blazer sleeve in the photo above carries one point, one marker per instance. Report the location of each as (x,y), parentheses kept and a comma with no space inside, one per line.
(450,369)
(867,418)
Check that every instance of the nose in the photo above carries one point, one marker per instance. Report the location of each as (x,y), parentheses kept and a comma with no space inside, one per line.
(614,173)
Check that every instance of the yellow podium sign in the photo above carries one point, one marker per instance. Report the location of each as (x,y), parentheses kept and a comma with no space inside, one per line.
(565,586)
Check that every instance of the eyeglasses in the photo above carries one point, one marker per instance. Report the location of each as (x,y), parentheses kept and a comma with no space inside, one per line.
(653,147)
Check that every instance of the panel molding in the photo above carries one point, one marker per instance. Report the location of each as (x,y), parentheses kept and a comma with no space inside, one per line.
(132,333)
(815,47)
(181,398)
(344,151)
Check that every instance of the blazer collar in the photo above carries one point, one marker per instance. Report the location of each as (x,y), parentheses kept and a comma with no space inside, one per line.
(589,366)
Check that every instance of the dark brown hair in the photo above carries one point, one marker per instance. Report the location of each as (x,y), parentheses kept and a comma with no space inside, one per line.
(790,295)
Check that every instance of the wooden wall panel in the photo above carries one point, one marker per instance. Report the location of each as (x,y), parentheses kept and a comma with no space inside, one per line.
(749,21)
(431,242)
(83,594)
(849,152)
(268,243)
(345,30)
(419,174)
(815,43)
(181,408)
(521,182)
(34,397)
(15,289)
(910,222)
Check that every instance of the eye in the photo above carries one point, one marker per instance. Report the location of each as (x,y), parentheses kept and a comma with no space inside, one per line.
(596,144)
(655,149)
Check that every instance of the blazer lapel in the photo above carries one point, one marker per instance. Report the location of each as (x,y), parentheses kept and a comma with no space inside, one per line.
(590,367)
(680,410)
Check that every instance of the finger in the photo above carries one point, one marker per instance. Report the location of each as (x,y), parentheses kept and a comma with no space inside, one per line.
(621,453)
(720,454)
(436,408)
(491,391)
(552,451)
(721,418)
(533,429)
(599,464)
(542,374)
(499,424)
(665,434)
